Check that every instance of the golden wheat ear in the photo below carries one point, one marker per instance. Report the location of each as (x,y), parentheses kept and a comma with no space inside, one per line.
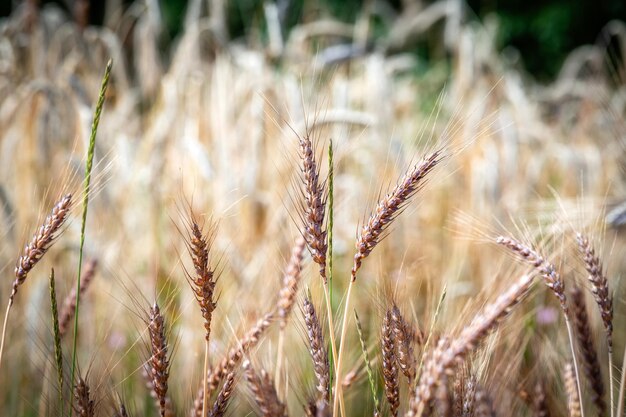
(318,350)
(158,365)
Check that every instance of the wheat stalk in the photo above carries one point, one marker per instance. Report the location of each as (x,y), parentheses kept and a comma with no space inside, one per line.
(387,209)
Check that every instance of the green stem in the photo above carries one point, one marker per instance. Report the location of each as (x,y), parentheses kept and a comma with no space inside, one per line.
(87,183)
(58,353)
(368,364)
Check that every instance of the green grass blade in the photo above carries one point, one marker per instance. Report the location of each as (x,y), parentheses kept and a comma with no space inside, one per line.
(58,353)
(368,365)
(86,185)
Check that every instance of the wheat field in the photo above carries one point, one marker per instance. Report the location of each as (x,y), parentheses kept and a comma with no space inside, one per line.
(307,223)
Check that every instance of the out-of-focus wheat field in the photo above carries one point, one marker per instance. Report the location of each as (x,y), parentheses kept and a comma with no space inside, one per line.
(207,121)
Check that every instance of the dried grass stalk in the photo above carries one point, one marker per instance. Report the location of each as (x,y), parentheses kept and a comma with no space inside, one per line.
(264,393)
(69,304)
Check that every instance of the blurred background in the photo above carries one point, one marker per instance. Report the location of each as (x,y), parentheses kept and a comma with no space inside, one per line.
(204,107)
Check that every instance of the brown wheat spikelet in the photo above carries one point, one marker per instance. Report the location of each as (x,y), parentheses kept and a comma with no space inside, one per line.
(403,335)
(443,399)
(40,242)
(547,270)
(69,304)
(573,401)
(540,401)
(158,364)
(469,397)
(264,393)
(590,361)
(599,284)
(317,348)
(314,206)
(204,280)
(224,396)
(390,206)
(83,404)
(288,292)
(483,405)
(389,363)
(445,356)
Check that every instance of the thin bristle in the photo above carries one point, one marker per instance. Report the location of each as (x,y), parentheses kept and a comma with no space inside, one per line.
(403,335)
(573,401)
(314,206)
(39,245)
(599,284)
(591,365)
(547,270)
(83,405)
(389,207)
(158,364)
(445,357)
(317,348)
(69,304)
(390,370)
(264,393)
(291,280)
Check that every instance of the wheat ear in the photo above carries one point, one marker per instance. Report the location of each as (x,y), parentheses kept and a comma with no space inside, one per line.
(553,280)
(591,365)
(403,335)
(602,296)
(447,354)
(317,348)
(390,369)
(158,365)
(203,287)
(264,393)
(315,232)
(574,405)
(287,297)
(387,209)
(84,405)
(229,363)
(69,304)
(540,401)
(34,251)
(224,396)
